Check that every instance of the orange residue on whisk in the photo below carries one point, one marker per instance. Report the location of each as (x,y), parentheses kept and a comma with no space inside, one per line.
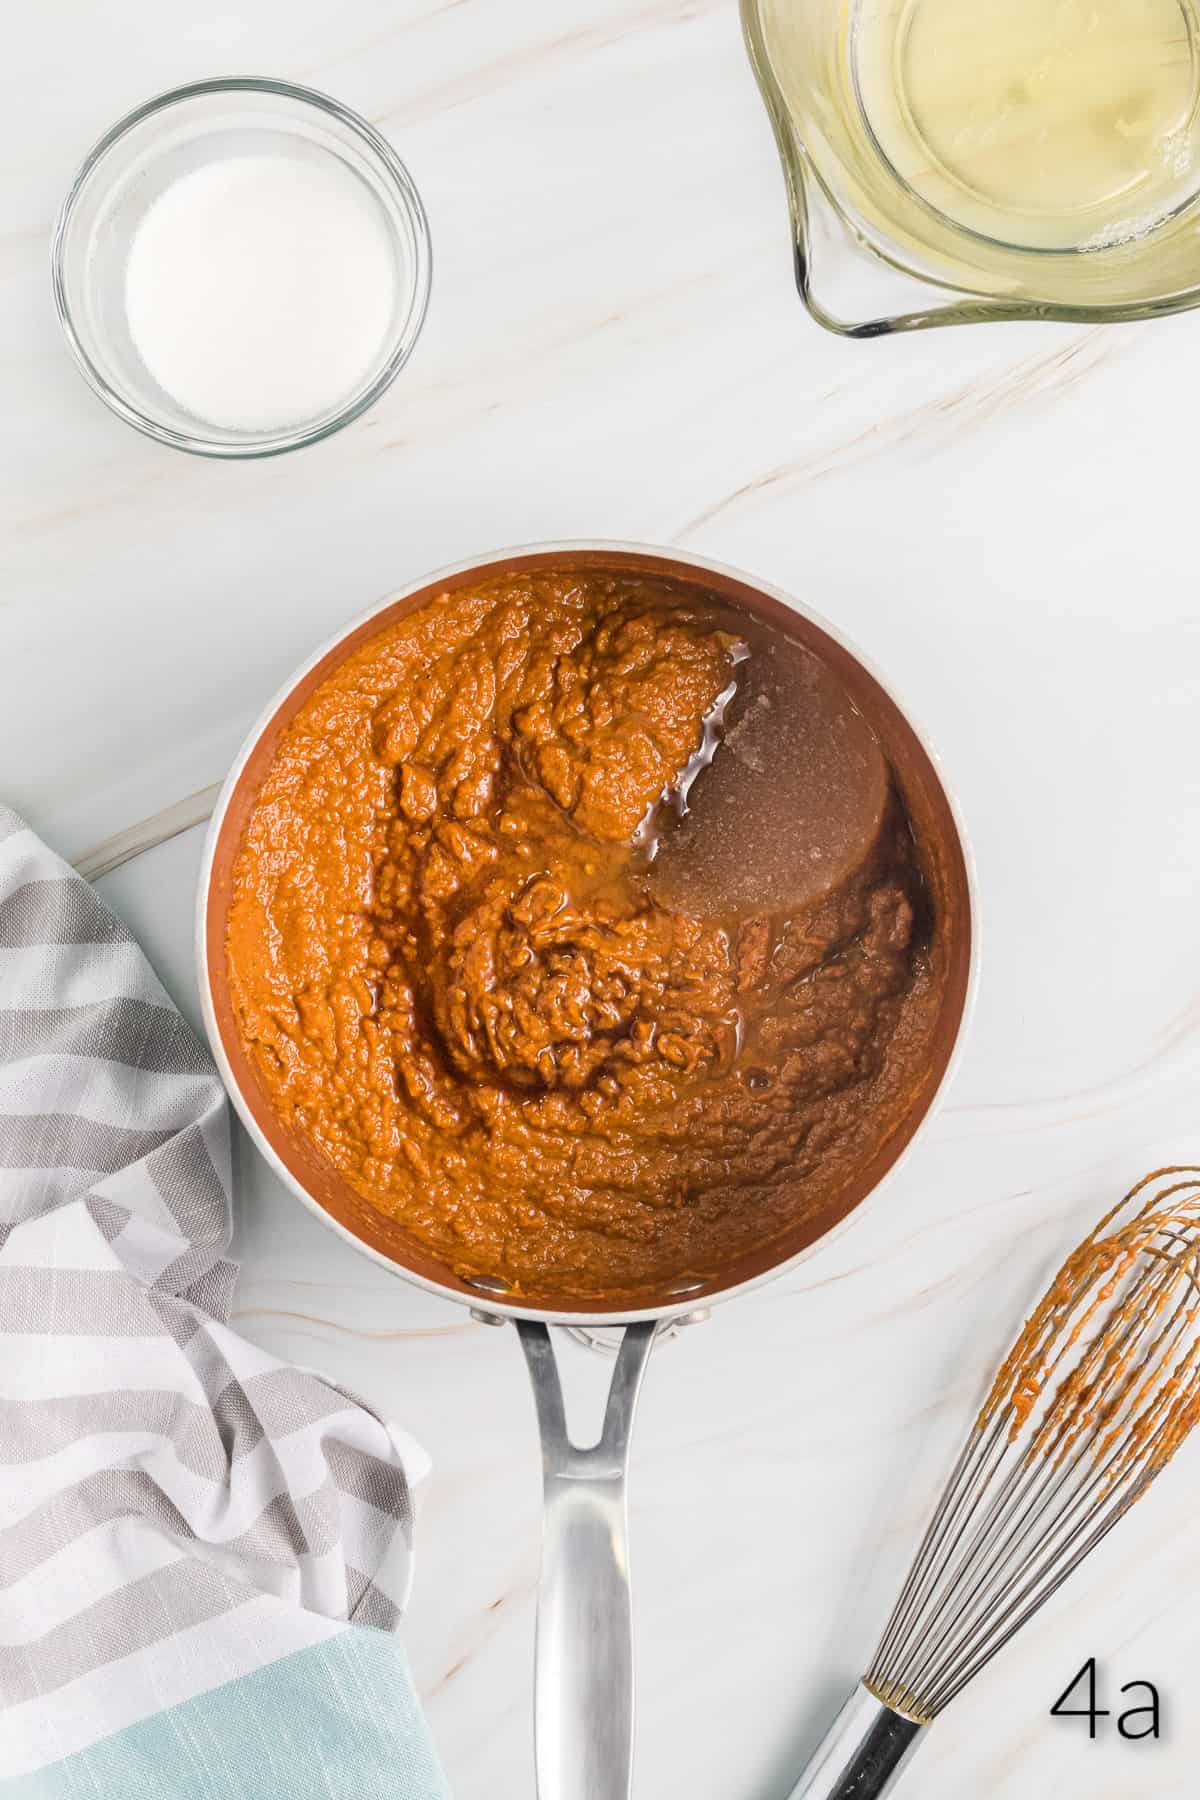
(1107,1366)
(1098,1392)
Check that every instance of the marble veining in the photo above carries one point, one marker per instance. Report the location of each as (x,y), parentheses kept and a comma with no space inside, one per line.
(1039,378)
(170,821)
(1002,517)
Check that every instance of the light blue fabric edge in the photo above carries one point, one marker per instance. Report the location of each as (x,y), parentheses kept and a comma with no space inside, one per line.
(338,1721)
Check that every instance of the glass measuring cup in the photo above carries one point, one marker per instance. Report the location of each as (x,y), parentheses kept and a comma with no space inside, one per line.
(906,196)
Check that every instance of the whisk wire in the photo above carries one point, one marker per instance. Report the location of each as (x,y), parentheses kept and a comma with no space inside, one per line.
(1098,1391)
(996,1562)
(955,1495)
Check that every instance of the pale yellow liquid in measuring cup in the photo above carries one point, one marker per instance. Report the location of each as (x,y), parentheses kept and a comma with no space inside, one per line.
(1048,125)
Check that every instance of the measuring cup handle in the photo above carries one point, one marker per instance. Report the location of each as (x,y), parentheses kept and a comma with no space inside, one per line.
(583,1686)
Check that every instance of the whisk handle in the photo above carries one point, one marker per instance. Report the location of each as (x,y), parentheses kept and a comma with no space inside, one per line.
(862,1753)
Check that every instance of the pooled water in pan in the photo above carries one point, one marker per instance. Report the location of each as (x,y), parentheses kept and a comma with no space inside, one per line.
(789,805)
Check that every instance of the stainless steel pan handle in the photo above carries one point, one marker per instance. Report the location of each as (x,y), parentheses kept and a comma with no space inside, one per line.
(583,1686)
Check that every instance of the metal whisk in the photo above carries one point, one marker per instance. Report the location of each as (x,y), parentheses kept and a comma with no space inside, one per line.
(1098,1392)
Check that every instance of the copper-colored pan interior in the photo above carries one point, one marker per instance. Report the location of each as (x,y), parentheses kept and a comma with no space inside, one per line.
(928,808)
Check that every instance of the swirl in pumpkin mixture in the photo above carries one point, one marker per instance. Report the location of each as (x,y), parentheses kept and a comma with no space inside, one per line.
(462,980)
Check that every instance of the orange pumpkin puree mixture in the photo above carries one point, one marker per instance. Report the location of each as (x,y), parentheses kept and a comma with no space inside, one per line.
(460,974)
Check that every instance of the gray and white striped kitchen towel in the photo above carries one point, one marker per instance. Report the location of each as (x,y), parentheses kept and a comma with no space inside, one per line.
(198,1544)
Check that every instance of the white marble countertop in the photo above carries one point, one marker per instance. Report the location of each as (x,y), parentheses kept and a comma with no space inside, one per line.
(1003,517)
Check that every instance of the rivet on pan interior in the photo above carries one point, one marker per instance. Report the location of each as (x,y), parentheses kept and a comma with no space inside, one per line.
(488,1284)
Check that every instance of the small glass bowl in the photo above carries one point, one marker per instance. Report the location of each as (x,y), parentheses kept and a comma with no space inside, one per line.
(137,160)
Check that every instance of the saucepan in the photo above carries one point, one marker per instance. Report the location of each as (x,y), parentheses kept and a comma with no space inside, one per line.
(584,1659)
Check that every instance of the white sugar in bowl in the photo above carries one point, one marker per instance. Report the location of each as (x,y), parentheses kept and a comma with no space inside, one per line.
(241,267)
